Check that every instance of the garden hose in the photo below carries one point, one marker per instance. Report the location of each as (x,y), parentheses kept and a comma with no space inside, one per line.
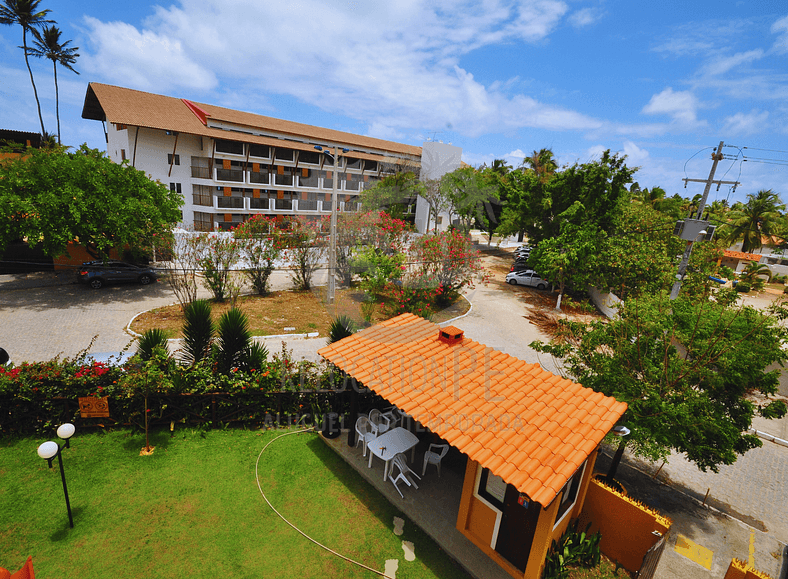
(257,477)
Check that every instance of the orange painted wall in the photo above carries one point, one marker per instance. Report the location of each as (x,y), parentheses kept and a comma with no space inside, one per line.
(627,527)
(738,569)
(76,255)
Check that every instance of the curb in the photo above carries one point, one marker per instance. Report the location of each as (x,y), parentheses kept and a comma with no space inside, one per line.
(131,332)
(769,437)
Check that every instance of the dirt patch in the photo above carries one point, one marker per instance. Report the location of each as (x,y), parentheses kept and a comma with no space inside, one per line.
(540,303)
(284,312)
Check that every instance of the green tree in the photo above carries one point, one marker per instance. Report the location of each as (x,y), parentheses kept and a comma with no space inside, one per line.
(754,270)
(47,45)
(26,13)
(304,249)
(55,198)
(468,191)
(260,246)
(752,221)
(570,218)
(393,194)
(685,368)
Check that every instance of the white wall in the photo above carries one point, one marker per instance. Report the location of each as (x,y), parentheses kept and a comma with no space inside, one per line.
(437,159)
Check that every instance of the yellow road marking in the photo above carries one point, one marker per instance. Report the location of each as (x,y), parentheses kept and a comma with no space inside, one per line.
(694,552)
(752,548)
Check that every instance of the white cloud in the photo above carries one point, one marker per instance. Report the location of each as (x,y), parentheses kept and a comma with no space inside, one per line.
(781,29)
(585,17)
(746,124)
(722,64)
(681,106)
(635,155)
(145,60)
(391,64)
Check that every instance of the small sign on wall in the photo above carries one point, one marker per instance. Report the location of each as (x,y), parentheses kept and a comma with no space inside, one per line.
(91,407)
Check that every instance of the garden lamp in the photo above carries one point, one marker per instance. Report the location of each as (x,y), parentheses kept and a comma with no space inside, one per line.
(621,432)
(49,450)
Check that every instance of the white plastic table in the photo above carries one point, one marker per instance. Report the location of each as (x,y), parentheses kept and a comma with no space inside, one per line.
(391,443)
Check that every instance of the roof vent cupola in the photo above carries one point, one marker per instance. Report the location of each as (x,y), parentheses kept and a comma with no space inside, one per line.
(450,335)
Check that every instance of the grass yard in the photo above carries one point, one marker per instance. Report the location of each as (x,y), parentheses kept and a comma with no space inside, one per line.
(276,313)
(193,508)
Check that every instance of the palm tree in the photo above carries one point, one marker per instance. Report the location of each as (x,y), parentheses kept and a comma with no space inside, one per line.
(543,163)
(47,45)
(28,16)
(751,221)
(754,270)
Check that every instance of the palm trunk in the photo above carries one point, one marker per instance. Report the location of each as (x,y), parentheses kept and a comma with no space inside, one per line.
(35,92)
(57,103)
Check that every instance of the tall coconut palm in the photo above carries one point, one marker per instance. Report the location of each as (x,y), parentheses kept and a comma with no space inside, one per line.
(26,13)
(752,221)
(542,162)
(47,45)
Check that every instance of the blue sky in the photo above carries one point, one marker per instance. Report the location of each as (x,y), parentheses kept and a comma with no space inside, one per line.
(662,82)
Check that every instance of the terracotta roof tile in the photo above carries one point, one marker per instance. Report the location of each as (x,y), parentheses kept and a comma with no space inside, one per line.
(525,424)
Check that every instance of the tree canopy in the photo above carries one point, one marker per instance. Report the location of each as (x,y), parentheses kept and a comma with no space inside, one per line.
(53,197)
(685,368)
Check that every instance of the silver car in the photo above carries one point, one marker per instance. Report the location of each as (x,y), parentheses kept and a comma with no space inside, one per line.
(527,277)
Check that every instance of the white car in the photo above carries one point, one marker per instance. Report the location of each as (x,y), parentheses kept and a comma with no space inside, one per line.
(527,277)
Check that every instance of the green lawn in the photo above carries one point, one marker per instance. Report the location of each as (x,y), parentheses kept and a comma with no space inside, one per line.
(193,509)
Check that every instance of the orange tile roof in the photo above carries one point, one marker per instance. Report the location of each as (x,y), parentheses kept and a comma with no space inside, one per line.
(530,427)
(135,108)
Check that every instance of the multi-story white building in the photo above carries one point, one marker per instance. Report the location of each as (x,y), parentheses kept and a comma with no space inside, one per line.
(230,165)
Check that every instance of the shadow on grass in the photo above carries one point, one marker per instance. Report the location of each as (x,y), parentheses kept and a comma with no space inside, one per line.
(136,440)
(65,531)
(430,554)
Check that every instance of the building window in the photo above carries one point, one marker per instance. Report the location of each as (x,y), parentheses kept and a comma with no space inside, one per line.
(351,163)
(284,200)
(201,167)
(371,166)
(309,157)
(282,154)
(231,147)
(261,151)
(569,494)
(308,178)
(175,187)
(203,221)
(283,176)
(123,154)
(230,202)
(260,174)
(173,159)
(492,489)
(308,201)
(201,195)
(230,171)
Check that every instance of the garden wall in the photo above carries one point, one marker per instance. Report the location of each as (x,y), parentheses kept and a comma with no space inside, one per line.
(740,570)
(629,529)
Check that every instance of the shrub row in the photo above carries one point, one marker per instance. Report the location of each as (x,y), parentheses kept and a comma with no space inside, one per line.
(35,397)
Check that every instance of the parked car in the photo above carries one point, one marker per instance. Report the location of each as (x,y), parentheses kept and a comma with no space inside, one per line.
(526,277)
(523,250)
(520,266)
(98,273)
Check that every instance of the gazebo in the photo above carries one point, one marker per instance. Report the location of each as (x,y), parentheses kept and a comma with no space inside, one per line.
(531,437)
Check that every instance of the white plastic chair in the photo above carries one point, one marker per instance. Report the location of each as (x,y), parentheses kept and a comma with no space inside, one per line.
(367,432)
(402,463)
(434,456)
(399,462)
(380,420)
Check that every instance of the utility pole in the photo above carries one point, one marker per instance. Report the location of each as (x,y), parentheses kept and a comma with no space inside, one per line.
(716,158)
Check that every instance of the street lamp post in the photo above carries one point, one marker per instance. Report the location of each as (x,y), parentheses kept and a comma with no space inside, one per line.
(49,450)
(332,236)
(621,432)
